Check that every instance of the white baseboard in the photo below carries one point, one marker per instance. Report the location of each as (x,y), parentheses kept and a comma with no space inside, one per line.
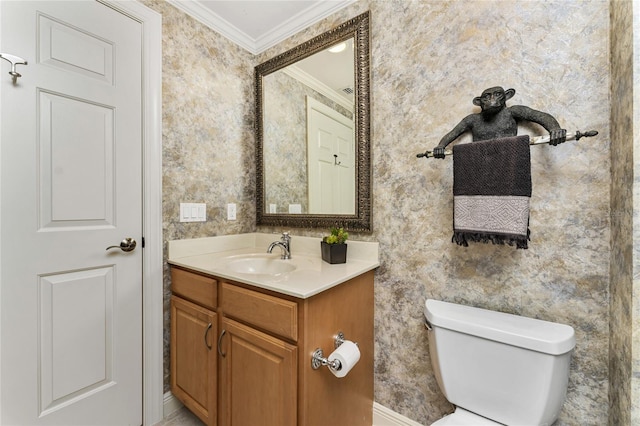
(170,404)
(382,416)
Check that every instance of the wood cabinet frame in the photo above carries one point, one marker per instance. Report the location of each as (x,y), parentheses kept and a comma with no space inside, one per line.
(286,331)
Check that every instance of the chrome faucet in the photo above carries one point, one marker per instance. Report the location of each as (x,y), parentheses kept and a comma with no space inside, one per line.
(284,244)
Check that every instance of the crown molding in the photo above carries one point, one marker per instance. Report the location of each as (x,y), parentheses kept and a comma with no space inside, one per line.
(215,22)
(291,26)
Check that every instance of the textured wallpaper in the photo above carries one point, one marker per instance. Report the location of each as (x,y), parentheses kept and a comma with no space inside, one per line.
(624,361)
(207,133)
(285,141)
(429,59)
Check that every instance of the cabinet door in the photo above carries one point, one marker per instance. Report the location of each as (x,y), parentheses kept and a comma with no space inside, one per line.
(193,358)
(258,383)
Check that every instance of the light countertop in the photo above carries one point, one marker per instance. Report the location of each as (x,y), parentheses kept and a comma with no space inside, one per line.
(214,255)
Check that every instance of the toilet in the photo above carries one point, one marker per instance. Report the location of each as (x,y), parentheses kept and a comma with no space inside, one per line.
(498,368)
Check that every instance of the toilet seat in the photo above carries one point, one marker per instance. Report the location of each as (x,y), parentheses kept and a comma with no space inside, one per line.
(462,417)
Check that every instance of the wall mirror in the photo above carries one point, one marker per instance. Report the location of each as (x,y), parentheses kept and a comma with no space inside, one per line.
(313,156)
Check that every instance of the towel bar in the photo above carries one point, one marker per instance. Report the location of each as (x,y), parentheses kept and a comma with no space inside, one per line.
(536,140)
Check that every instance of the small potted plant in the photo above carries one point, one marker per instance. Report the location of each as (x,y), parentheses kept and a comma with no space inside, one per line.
(334,246)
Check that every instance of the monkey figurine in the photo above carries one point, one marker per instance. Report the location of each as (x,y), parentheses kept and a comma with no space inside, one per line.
(496,120)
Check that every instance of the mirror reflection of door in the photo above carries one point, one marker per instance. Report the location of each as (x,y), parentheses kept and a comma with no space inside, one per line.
(331,155)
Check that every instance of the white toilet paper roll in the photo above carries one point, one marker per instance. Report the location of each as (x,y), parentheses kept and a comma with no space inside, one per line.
(348,354)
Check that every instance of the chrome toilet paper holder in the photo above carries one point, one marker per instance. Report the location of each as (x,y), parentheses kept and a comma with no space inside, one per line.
(318,359)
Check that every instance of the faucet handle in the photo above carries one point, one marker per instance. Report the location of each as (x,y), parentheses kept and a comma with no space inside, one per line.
(286,240)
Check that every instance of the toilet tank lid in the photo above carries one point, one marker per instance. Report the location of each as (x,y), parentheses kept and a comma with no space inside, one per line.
(538,335)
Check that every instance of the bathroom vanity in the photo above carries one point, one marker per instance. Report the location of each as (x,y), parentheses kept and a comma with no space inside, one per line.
(244,326)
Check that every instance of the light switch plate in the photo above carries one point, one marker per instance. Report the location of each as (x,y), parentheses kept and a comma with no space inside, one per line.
(193,212)
(295,208)
(231,211)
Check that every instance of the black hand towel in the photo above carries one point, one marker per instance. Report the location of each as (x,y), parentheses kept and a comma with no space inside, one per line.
(491,191)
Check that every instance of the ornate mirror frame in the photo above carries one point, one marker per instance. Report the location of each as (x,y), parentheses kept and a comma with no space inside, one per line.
(358,29)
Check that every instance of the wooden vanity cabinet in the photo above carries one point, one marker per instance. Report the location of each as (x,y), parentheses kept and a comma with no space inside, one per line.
(324,399)
(194,330)
(258,368)
(258,378)
(266,341)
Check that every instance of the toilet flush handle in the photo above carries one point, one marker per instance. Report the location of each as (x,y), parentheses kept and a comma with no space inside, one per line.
(427,324)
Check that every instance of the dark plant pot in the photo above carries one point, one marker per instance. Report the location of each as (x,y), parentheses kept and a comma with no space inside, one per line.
(334,253)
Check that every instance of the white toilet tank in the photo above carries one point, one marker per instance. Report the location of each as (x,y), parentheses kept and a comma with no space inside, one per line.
(511,369)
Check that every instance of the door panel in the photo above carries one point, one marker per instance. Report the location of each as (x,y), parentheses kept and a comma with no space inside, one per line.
(75,193)
(75,356)
(194,360)
(69,48)
(71,185)
(258,380)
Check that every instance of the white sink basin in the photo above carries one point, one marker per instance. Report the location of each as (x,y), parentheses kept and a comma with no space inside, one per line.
(263,264)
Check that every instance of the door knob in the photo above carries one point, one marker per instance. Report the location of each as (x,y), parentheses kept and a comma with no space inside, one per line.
(128,244)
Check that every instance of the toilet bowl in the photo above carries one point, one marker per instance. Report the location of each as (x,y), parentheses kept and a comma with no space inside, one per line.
(498,368)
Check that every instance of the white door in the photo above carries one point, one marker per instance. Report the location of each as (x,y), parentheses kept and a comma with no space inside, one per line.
(331,160)
(70,176)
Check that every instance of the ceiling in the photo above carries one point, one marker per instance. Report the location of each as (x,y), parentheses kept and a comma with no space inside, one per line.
(257,25)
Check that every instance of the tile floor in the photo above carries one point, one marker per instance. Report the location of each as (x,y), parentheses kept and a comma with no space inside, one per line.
(181,417)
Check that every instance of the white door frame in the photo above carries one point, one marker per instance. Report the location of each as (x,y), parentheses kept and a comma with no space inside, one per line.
(152,270)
